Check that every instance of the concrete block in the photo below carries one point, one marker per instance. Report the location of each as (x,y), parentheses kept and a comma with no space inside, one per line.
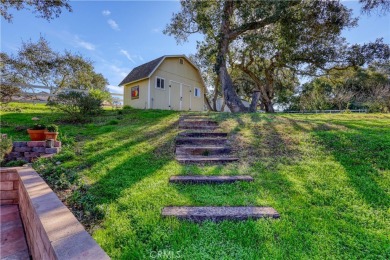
(22,149)
(9,176)
(36,144)
(31,154)
(38,149)
(6,185)
(8,194)
(52,150)
(19,144)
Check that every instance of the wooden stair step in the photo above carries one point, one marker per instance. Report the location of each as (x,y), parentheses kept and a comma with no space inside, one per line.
(204,127)
(205,159)
(209,179)
(198,123)
(204,150)
(199,214)
(200,141)
(202,134)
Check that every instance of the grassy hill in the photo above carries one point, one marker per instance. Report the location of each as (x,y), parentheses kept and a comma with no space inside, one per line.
(327,175)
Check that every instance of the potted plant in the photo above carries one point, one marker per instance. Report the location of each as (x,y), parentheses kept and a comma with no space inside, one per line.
(52,132)
(37,132)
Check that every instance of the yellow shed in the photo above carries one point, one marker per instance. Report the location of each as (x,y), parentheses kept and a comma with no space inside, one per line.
(169,82)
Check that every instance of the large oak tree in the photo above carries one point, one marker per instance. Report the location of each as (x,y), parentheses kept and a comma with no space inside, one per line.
(225,22)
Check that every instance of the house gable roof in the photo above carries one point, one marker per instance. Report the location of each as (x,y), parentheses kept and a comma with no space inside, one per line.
(142,71)
(146,70)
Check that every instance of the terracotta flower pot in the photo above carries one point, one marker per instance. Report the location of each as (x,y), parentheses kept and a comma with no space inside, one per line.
(51,135)
(36,135)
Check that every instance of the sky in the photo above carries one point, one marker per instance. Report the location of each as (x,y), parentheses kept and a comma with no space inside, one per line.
(120,35)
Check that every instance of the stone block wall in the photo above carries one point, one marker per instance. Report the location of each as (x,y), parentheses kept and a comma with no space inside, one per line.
(9,185)
(28,151)
(51,229)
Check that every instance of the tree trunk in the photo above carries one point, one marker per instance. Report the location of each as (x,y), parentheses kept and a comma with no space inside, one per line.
(255,100)
(269,108)
(223,106)
(231,98)
(215,98)
(208,103)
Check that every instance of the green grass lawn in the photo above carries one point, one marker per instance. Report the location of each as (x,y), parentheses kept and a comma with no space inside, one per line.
(327,175)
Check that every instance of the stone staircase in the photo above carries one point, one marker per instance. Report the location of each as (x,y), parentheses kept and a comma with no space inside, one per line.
(200,143)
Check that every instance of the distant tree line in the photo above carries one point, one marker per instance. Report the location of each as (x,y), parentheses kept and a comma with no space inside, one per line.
(361,88)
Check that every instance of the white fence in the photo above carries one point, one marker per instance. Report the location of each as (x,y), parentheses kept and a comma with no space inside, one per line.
(37,94)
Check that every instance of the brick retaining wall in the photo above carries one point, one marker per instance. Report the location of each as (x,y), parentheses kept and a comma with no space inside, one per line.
(9,185)
(51,229)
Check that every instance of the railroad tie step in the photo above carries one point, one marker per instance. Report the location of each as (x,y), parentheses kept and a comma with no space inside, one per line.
(200,141)
(199,214)
(205,150)
(205,159)
(200,179)
(202,134)
(199,127)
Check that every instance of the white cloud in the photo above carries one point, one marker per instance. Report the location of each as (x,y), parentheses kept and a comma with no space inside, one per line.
(106,12)
(119,71)
(156,30)
(128,56)
(115,89)
(81,43)
(113,24)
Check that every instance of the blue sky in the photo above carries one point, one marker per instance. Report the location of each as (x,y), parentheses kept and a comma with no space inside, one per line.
(120,35)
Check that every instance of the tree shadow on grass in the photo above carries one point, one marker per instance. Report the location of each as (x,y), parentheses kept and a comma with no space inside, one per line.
(361,151)
(361,157)
(116,169)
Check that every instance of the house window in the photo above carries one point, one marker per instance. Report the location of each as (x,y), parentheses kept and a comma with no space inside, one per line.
(197,92)
(181,61)
(160,83)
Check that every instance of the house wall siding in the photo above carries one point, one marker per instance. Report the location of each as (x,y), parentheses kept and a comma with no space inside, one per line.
(142,101)
(176,75)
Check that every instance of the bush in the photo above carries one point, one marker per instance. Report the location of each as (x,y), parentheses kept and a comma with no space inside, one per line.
(100,95)
(7,92)
(15,163)
(52,128)
(78,104)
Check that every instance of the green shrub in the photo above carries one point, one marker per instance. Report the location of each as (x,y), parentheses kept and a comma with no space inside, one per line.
(100,95)
(52,128)
(79,105)
(127,107)
(15,163)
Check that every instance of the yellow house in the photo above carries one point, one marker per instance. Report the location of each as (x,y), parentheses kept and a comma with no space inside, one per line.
(169,82)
